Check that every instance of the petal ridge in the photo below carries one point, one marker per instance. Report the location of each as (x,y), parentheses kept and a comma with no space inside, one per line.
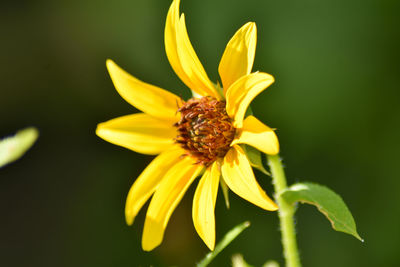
(181,55)
(204,205)
(167,196)
(148,181)
(238,57)
(139,132)
(146,97)
(240,94)
(238,175)
(258,135)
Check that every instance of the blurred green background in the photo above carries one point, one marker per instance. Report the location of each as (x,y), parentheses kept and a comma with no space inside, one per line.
(335,104)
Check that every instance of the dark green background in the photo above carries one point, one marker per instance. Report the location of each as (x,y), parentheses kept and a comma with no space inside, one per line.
(335,104)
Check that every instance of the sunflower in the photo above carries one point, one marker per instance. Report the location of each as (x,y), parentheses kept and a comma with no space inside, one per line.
(198,137)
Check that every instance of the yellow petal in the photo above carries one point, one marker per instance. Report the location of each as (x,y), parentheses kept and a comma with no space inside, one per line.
(181,54)
(167,196)
(204,205)
(139,132)
(258,135)
(238,175)
(148,180)
(242,92)
(238,56)
(146,97)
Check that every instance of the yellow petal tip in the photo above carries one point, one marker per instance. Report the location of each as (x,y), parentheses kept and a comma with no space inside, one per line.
(152,235)
(252,25)
(147,248)
(274,207)
(270,205)
(110,63)
(211,246)
(99,130)
(128,219)
(276,152)
(148,245)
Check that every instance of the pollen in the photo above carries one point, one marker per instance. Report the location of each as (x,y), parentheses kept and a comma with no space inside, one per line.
(205,130)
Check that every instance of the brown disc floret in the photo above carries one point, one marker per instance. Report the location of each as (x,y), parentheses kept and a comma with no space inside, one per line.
(205,130)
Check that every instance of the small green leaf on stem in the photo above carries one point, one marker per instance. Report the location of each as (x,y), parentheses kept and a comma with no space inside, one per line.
(226,240)
(225,191)
(255,158)
(328,202)
(14,147)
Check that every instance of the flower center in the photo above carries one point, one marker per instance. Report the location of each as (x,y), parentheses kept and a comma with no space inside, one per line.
(205,130)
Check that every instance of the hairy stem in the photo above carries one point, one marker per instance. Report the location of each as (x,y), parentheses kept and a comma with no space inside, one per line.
(286,212)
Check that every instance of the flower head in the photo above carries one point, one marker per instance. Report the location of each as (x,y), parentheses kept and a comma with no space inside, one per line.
(200,136)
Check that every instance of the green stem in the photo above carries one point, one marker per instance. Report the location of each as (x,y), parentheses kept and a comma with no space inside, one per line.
(228,238)
(286,212)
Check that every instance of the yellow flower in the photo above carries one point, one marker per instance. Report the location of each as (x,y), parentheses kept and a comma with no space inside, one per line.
(201,136)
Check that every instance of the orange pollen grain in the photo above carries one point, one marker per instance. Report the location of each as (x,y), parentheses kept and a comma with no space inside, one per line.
(205,130)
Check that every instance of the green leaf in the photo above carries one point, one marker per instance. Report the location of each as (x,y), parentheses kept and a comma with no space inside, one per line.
(228,238)
(327,202)
(249,112)
(255,158)
(225,191)
(14,147)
